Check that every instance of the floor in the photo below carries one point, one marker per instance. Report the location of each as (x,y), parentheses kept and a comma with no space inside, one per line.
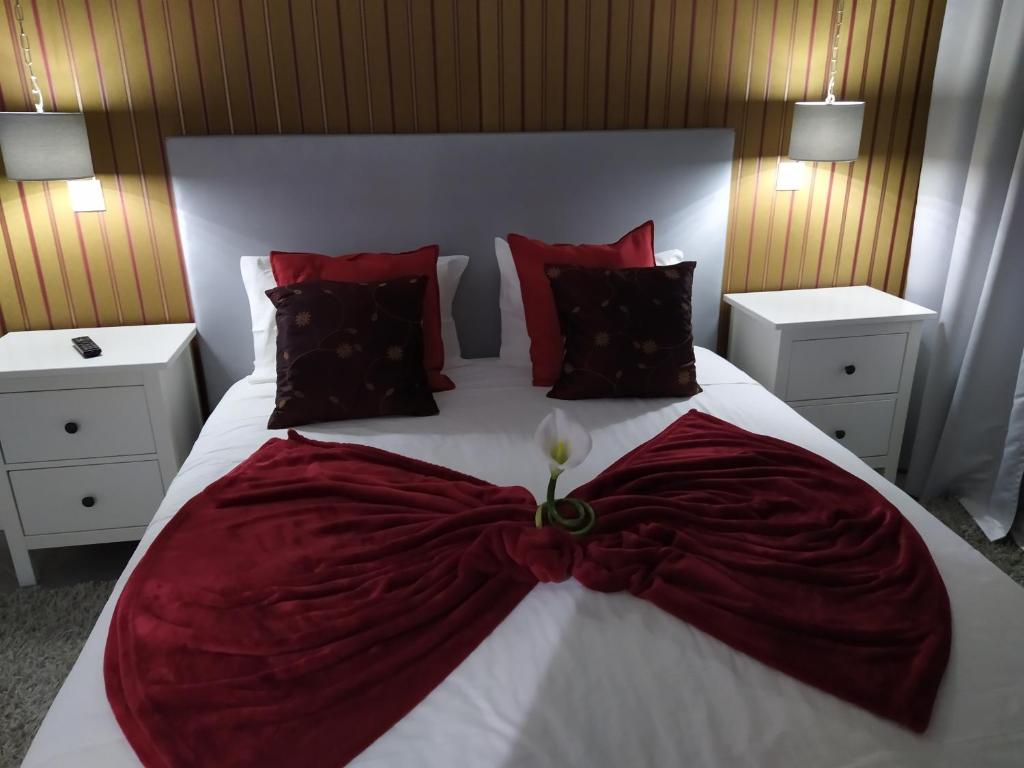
(63,566)
(1004,554)
(48,626)
(42,629)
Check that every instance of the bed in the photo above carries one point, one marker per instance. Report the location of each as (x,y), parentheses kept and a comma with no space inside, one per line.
(571,677)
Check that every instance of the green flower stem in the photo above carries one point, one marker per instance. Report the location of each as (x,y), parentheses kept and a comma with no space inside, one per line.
(577,526)
(538,519)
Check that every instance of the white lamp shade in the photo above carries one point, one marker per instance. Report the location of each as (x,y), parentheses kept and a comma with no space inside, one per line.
(45,146)
(824,132)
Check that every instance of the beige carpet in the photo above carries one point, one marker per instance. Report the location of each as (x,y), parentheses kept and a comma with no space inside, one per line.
(1004,554)
(42,630)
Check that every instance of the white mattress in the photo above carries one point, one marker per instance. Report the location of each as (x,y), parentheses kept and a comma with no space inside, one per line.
(574,677)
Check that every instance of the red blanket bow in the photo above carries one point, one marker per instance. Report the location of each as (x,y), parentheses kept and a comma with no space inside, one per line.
(297,608)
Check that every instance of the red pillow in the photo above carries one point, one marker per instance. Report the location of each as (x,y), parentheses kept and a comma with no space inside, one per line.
(290,268)
(634,249)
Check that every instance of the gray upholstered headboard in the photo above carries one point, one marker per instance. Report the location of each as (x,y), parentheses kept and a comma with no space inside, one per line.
(247,195)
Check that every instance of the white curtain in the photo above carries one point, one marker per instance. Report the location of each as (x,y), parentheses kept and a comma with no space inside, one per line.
(966,434)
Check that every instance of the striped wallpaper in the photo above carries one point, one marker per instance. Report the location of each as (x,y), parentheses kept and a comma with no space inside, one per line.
(146,69)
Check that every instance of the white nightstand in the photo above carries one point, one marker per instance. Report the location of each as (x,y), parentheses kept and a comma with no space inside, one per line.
(843,358)
(90,445)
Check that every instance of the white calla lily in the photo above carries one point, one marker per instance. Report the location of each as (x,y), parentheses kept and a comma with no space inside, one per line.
(564,442)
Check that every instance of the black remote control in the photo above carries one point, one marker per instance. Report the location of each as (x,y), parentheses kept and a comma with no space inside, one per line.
(86,347)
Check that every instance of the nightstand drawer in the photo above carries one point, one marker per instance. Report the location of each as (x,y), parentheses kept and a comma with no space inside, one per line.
(87,498)
(862,427)
(846,366)
(75,424)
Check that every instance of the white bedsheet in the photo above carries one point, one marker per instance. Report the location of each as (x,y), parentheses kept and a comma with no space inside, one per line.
(577,678)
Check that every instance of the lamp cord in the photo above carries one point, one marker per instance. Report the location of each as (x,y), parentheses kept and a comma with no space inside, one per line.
(26,55)
(831,97)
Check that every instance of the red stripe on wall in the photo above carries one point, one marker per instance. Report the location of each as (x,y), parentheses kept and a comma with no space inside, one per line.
(457,46)
(21,191)
(320,67)
(711,65)
(390,73)
(780,150)
(650,59)
(55,231)
(248,66)
(586,66)
(117,172)
(728,65)
(137,144)
(58,248)
(178,249)
(689,64)
(565,64)
(860,96)
(522,66)
(35,253)
(828,205)
(628,75)
(832,169)
(22,307)
(433,61)
(669,68)
(223,66)
(874,136)
(412,66)
(45,58)
(73,66)
(785,98)
(814,174)
(741,138)
(344,69)
(97,318)
(273,69)
(747,112)
(199,64)
(892,136)
(13,264)
(295,66)
(479,69)
(174,63)
(607,68)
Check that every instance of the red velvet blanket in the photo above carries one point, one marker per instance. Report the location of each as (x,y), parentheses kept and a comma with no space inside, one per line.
(297,608)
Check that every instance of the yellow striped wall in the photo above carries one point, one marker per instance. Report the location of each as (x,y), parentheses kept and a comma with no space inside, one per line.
(146,69)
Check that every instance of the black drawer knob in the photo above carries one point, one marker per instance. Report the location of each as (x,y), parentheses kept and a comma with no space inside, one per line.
(840,434)
(88,501)
(71,427)
(850,369)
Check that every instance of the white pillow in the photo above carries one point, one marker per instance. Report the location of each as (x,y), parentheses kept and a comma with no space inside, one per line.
(515,341)
(449,273)
(258,278)
(668,258)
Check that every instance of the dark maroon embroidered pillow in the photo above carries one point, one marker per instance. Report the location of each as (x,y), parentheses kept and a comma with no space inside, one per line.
(627,332)
(349,351)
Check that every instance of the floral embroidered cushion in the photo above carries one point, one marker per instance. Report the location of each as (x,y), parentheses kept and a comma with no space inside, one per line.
(349,351)
(627,332)
(634,249)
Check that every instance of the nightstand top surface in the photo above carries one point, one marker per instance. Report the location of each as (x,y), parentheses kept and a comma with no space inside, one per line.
(856,304)
(30,353)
